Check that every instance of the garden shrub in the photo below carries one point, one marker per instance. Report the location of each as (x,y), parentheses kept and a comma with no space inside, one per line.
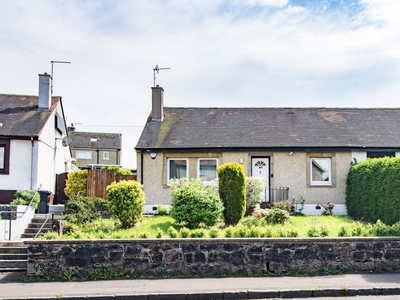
(81,209)
(162,211)
(76,183)
(213,233)
(254,191)
(120,171)
(24,197)
(232,190)
(172,232)
(328,209)
(284,205)
(184,232)
(373,190)
(195,204)
(197,233)
(126,202)
(277,216)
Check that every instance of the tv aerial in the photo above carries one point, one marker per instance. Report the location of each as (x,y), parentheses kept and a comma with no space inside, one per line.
(52,67)
(157,70)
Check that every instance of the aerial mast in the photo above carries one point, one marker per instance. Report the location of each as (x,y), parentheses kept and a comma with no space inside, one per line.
(157,70)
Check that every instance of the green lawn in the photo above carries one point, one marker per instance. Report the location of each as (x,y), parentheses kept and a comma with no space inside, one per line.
(157,227)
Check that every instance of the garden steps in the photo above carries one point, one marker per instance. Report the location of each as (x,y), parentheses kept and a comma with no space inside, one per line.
(37,222)
(13,256)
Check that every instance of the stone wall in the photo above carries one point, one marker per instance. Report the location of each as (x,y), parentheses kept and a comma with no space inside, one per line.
(213,257)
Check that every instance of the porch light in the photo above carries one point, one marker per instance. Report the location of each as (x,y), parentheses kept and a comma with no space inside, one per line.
(153,155)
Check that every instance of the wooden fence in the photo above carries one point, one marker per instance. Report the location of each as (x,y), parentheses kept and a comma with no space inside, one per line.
(99,179)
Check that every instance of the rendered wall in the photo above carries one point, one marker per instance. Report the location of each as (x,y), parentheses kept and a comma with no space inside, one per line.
(213,257)
(23,217)
(287,170)
(20,166)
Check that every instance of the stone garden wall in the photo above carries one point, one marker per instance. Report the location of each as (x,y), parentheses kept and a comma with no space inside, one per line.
(213,257)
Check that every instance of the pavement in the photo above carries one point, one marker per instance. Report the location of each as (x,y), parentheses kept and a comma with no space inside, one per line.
(13,286)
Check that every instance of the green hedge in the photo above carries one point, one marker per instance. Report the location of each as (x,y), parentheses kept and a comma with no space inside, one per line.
(373,190)
(232,191)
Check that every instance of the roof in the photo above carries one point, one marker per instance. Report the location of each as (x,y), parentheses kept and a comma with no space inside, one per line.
(20,116)
(93,140)
(272,128)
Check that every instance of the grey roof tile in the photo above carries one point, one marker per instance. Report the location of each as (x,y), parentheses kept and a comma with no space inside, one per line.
(190,128)
(80,139)
(20,116)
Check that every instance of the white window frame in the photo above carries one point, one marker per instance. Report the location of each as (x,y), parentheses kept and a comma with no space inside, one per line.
(199,171)
(168,168)
(106,155)
(329,171)
(83,154)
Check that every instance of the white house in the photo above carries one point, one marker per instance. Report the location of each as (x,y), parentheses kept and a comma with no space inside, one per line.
(33,141)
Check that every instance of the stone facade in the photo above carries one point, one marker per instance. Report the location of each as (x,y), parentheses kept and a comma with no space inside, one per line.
(213,257)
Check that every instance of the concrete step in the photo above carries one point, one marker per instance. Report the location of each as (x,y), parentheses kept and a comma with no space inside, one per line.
(35,230)
(13,256)
(38,225)
(13,249)
(12,264)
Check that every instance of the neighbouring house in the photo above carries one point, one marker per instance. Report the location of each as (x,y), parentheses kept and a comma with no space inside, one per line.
(95,149)
(300,153)
(33,141)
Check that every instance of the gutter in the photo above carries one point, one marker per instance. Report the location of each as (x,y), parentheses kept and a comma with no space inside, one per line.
(141,166)
(32,156)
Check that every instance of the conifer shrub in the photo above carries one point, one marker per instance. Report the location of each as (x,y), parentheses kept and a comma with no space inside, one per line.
(232,191)
(195,204)
(76,183)
(373,190)
(126,202)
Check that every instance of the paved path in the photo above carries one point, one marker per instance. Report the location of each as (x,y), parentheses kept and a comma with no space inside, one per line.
(12,286)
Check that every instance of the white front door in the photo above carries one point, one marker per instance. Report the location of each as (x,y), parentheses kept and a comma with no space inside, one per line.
(260,168)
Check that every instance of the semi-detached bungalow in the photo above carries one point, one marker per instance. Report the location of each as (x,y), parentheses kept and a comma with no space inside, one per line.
(300,153)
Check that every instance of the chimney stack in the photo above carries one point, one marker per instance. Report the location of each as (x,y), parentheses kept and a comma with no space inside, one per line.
(44,91)
(157,101)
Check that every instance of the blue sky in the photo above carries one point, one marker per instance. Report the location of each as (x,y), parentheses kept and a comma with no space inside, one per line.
(237,53)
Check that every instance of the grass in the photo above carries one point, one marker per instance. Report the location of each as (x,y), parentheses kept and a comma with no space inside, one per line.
(160,227)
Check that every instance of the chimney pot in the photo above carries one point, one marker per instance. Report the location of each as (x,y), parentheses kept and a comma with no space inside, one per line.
(44,91)
(157,101)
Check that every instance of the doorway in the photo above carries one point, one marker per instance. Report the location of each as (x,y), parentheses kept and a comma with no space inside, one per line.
(260,168)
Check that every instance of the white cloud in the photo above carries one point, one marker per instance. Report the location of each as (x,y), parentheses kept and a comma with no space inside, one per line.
(221,53)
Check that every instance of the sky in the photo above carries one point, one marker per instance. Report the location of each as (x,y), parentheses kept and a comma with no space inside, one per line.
(220,53)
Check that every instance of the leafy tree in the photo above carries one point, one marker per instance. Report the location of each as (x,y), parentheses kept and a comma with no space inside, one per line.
(126,202)
(232,191)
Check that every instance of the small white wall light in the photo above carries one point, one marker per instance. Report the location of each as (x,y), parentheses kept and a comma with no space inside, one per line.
(291,153)
(241,160)
(153,155)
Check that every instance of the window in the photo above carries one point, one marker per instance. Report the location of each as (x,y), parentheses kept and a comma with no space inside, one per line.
(93,139)
(177,168)
(320,171)
(106,155)
(83,155)
(207,169)
(4,156)
(376,154)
